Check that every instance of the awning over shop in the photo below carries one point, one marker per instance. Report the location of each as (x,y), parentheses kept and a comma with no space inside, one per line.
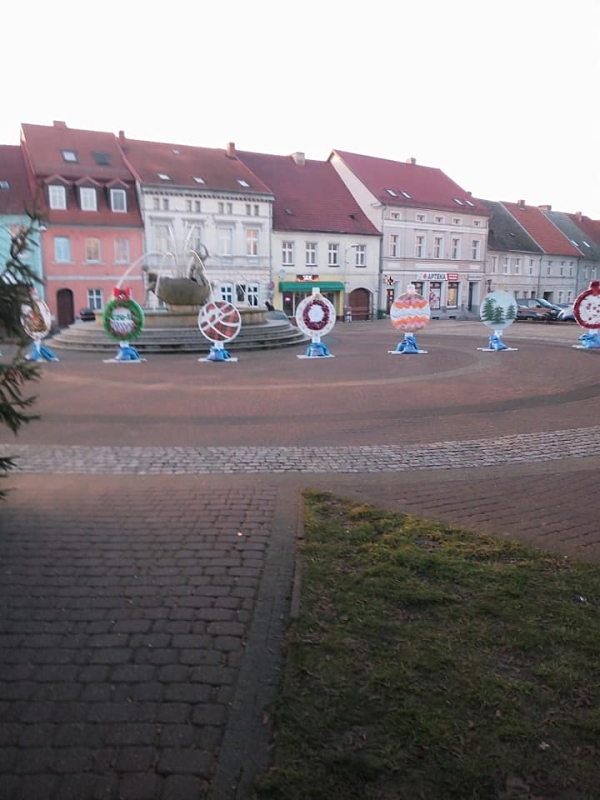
(305,286)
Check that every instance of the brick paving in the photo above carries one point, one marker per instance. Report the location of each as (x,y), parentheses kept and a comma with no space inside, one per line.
(147,542)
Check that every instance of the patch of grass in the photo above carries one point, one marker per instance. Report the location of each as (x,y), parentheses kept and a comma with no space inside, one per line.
(430,663)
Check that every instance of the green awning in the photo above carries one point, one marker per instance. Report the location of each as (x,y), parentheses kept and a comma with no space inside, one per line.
(305,286)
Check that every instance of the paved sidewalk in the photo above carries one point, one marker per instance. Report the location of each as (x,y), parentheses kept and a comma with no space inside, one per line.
(147,544)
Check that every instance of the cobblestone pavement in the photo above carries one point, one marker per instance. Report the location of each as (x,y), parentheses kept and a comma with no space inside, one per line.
(147,569)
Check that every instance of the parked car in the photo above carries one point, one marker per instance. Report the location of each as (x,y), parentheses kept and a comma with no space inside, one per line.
(87,315)
(536,309)
(566,314)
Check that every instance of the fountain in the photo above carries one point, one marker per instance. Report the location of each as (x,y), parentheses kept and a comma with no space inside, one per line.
(177,286)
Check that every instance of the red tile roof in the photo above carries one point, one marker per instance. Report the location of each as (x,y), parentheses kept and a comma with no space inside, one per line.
(184,163)
(591,227)
(426,187)
(16,197)
(309,195)
(542,230)
(98,162)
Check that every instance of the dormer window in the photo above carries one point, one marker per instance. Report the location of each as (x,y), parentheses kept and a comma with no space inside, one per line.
(245,184)
(391,192)
(469,203)
(118,200)
(101,159)
(70,156)
(88,199)
(458,202)
(4,185)
(57,197)
(405,194)
(163,176)
(199,180)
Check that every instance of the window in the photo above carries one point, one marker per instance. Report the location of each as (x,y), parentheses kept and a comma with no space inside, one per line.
(494,263)
(165,204)
(62,249)
(248,209)
(333,255)
(69,155)
(476,223)
(456,249)
(517,266)
(198,179)
(561,271)
(162,239)
(57,196)
(256,211)
(193,238)
(4,185)
(251,242)
(456,220)
(395,215)
(475,248)
(220,208)
(163,176)
(391,192)
(570,269)
(287,254)
(438,245)
(245,184)
(452,295)
(225,239)
(95,299)
(585,273)
(197,206)
(505,265)
(549,269)
(252,294)
(92,250)
(155,203)
(560,296)
(439,219)
(419,246)
(88,199)
(122,251)
(188,205)
(118,200)
(405,194)
(458,202)
(229,208)
(530,267)
(393,248)
(226,290)
(101,159)
(361,255)
(311,254)
(420,217)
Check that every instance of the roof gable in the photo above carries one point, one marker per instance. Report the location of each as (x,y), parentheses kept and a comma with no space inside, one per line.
(395,183)
(542,230)
(15,191)
(309,195)
(190,166)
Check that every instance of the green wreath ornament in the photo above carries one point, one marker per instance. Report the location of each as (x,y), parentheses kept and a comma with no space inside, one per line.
(123,319)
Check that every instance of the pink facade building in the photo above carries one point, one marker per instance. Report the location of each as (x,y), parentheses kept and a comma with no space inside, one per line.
(93,226)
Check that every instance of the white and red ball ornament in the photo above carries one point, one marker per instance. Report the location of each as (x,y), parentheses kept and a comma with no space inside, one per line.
(123,320)
(219,322)
(586,311)
(498,311)
(409,312)
(315,317)
(36,321)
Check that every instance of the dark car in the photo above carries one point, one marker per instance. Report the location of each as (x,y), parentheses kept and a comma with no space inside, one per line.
(536,309)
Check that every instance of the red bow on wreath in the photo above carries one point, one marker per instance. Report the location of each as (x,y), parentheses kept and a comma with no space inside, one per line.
(122,293)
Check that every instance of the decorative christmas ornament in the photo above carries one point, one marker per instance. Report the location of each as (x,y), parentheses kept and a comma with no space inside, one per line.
(586,311)
(219,322)
(315,316)
(409,312)
(123,319)
(36,321)
(498,311)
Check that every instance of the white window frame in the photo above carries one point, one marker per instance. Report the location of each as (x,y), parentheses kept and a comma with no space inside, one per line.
(162,238)
(62,249)
(455,249)
(57,197)
(252,236)
(88,198)
(118,201)
(122,250)
(333,254)
(287,254)
(475,249)
(225,241)
(253,294)
(393,245)
(227,291)
(92,248)
(95,299)
(360,259)
(438,247)
(310,254)
(419,246)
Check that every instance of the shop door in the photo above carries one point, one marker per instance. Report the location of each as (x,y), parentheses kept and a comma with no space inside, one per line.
(360,304)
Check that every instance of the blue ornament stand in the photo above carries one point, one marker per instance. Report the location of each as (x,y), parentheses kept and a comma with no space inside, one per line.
(408,346)
(126,354)
(39,352)
(590,340)
(218,353)
(496,345)
(317,349)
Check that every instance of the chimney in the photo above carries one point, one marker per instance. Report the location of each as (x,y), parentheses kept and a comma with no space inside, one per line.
(521,203)
(579,216)
(411,160)
(230,151)
(121,136)
(59,123)
(299,158)
(545,208)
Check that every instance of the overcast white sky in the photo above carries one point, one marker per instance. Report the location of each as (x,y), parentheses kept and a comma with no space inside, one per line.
(501,96)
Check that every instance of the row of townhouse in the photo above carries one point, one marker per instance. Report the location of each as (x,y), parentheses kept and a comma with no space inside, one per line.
(271,227)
